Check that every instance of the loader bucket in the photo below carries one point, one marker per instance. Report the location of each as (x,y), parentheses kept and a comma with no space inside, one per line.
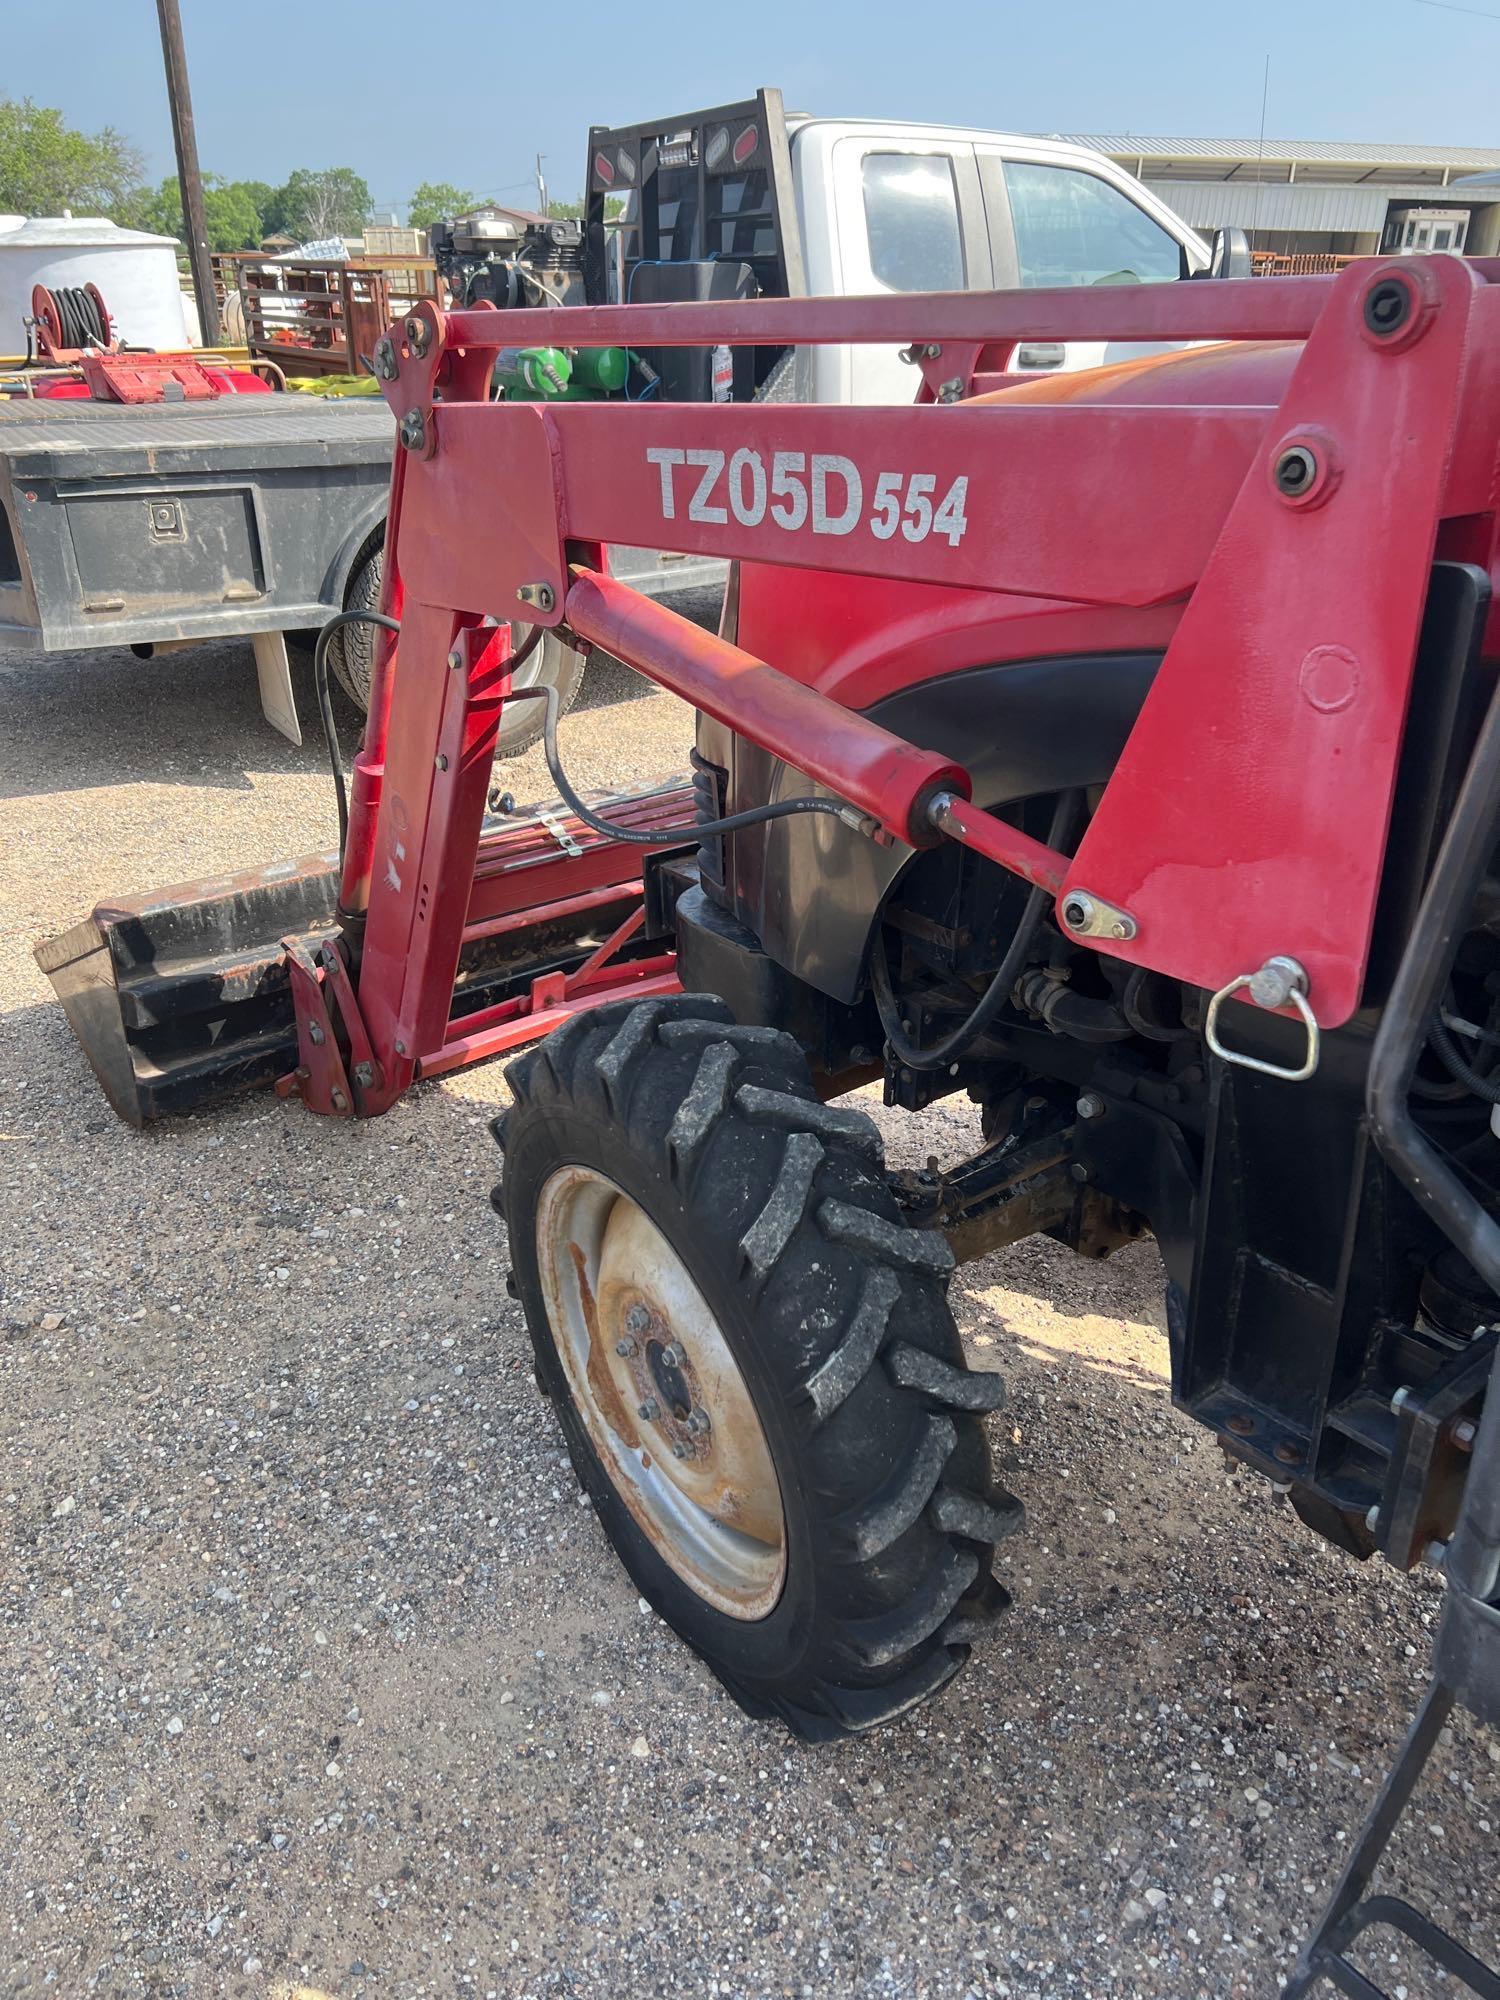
(183,996)
(180,996)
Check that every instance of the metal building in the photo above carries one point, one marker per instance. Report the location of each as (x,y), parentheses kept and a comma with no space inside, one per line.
(1301,197)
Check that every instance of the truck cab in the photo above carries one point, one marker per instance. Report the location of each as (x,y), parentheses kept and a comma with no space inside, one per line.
(747,199)
(886,207)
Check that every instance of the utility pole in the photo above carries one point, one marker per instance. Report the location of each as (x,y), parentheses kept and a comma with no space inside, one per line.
(188,177)
(541,186)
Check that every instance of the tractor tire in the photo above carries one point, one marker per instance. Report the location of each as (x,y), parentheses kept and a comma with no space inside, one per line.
(718,1281)
(351,655)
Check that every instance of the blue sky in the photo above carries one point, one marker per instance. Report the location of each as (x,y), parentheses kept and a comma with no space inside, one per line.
(452,90)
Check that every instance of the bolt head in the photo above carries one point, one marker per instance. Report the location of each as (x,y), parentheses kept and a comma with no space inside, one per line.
(455,659)
(679,1451)
(1399,1401)
(699,1422)
(316,1036)
(1372,1518)
(1090,1105)
(413,430)
(626,1348)
(649,1411)
(364,1074)
(339,1101)
(637,1319)
(441,761)
(1464,1433)
(674,1354)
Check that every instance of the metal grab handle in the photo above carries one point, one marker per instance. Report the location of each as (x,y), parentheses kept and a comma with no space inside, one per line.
(1281,982)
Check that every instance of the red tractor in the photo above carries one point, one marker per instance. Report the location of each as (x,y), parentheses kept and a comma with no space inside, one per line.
(1120,750)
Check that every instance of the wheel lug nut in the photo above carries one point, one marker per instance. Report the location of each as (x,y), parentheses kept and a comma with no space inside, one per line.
(679,1451)
(674,1354)
(698,1422)
(625,1348)
(650,1410)
(637,1320)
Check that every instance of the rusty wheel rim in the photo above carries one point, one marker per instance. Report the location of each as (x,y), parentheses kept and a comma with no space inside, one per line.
(660,1393)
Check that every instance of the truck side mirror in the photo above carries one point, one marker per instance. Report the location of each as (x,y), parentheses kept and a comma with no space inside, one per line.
(1230,255)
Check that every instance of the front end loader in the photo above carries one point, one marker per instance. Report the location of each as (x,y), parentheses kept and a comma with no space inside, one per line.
(1120,750)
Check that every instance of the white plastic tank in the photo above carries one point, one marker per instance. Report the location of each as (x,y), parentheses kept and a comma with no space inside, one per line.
(136,273)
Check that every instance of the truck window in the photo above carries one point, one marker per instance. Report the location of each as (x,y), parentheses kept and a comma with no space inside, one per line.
(911,217)
(1072,228)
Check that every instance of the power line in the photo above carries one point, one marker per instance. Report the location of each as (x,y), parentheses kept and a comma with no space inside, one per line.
(1452,7)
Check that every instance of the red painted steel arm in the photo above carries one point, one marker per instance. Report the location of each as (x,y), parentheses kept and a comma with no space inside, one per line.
(1200,309)
(879,773)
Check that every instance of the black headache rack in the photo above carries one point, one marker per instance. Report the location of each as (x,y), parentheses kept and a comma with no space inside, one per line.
(709,212)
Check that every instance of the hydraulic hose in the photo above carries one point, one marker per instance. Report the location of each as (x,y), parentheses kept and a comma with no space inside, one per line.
(325,703)
(756,816)
(837,809)
(1449,1054)
(1066,817)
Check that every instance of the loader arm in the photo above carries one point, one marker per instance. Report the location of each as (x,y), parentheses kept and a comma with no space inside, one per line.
(1263,758)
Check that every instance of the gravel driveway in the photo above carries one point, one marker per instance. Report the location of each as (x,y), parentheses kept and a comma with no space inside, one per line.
(317,1678)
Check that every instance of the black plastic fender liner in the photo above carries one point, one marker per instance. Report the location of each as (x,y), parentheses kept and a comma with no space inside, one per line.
(811,892)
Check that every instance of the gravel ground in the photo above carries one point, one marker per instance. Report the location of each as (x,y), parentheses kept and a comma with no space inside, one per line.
(316,1678)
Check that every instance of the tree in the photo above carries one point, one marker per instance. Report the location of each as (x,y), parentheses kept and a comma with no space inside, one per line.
(437,201)
(572,211)
(229,211)
(47,166)
(267,202)
(331,201)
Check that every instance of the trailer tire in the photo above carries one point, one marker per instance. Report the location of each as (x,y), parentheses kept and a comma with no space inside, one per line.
(655,1150)
(351,655)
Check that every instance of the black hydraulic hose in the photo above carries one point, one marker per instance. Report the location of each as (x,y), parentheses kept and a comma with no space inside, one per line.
(1063,830)
(754,816)
(1451,1056)
(325,703)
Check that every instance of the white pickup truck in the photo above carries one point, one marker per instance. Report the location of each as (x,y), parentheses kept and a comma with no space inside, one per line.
(749,197)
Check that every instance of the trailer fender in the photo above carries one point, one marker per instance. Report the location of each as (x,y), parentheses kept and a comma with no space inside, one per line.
(367,533)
